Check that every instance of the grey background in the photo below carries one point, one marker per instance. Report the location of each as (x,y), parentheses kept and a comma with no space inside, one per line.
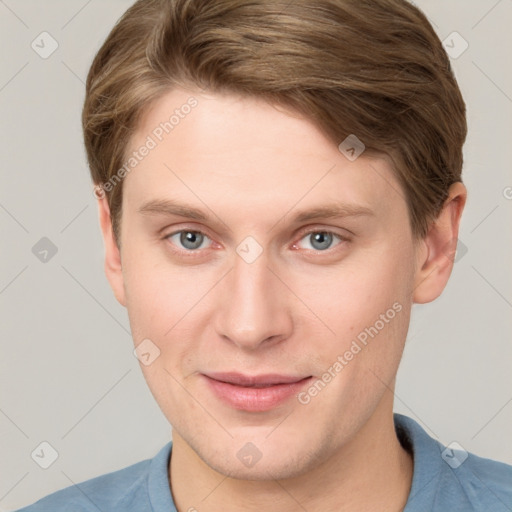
(68,373)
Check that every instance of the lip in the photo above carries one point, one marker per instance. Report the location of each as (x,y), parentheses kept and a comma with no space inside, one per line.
(254,393)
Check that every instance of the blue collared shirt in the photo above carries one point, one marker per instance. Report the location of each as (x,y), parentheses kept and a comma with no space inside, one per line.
(445,479)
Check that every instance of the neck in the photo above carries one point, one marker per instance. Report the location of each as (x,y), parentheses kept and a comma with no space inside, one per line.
(370,472)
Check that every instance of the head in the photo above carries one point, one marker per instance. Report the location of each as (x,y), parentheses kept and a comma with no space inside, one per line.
(278,184)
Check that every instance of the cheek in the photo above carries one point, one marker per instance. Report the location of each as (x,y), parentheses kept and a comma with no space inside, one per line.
(369,314)
(364,306)
(167,304)
(157,292)
(161,304)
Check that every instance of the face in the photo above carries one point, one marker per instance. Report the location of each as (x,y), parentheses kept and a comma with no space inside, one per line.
(271,279)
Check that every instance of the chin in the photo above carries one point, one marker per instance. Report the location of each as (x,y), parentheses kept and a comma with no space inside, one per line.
(275,469)
(261,461)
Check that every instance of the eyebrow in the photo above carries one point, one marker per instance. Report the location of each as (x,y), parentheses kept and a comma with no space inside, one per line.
(335,210)
(171,207)
(331,211)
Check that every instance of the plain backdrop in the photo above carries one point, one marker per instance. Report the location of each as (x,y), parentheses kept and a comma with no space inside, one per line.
(69,377)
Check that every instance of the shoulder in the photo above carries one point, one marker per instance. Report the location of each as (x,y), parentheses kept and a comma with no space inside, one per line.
(124,489)
(484,483)
(448,478)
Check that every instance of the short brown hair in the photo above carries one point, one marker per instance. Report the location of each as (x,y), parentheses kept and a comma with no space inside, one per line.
(373,68)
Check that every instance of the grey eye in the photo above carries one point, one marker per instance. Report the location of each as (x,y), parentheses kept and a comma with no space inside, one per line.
(189,240)
(321,240)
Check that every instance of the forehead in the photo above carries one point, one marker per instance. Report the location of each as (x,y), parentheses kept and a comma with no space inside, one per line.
(243,154)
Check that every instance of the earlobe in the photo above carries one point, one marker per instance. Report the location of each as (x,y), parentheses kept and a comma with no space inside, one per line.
(436,252)
(113,266)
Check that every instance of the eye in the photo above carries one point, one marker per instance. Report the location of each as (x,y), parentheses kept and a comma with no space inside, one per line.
(319,240)
(190,240)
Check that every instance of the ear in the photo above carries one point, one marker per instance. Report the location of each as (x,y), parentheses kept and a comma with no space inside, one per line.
(436,252)
(113,268)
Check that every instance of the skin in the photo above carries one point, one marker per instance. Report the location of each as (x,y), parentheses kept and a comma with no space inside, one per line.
(251,168)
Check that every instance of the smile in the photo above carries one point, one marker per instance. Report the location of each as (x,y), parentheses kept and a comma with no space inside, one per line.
(254,393)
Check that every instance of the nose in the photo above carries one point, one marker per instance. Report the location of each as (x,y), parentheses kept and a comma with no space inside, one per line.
(254,310)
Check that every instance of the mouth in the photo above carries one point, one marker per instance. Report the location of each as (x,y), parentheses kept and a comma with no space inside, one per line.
(254,393)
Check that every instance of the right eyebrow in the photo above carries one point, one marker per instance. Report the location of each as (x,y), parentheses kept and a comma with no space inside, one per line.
(172,207)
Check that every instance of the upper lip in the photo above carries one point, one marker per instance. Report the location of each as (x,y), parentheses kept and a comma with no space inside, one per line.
(239,379)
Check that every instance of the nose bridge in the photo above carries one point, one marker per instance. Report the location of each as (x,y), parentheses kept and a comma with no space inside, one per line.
(253,310)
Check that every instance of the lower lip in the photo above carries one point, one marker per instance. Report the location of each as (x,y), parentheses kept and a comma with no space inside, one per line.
(255,399)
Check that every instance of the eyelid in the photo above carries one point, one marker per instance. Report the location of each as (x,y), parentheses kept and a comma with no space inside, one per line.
(190,227)
(320,229)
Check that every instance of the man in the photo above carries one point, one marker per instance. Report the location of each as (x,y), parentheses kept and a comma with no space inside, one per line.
(278,183)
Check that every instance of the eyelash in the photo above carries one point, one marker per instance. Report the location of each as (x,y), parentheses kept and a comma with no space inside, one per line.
(197,252)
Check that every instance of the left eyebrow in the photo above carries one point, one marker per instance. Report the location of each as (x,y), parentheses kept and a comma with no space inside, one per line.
(331,211)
